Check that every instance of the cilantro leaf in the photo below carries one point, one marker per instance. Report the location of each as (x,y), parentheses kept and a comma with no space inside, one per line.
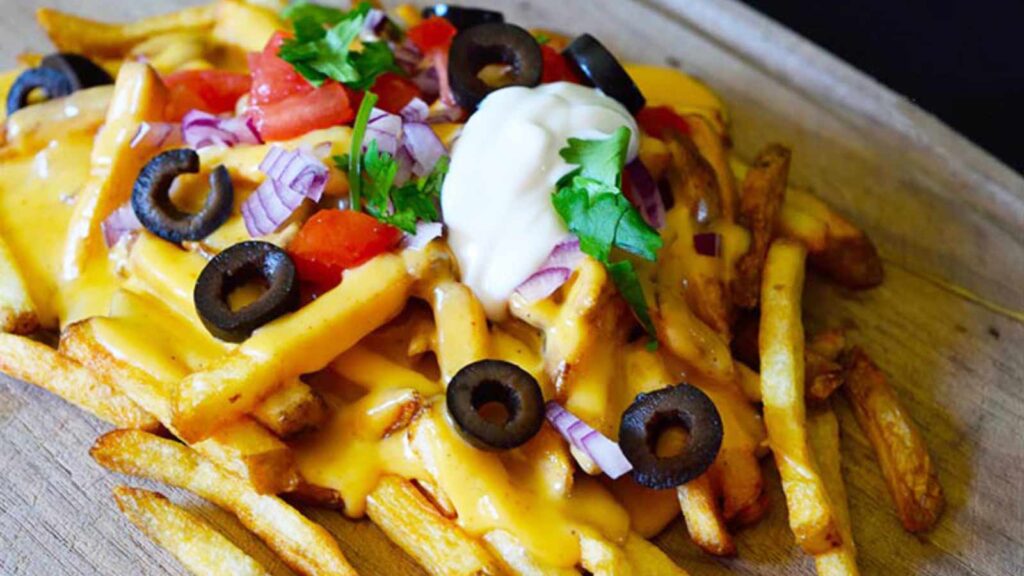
(320,48)
(541,38)
(590,201)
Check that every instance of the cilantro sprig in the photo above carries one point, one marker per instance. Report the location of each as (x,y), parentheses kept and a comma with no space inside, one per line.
(590,201)
(320,48)
(372,175)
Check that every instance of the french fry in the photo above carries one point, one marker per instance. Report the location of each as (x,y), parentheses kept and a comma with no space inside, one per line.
(374,371)
(516,560)
(302,544)
(763,191)
(435,542)
(601,557)
(244,25)
(811,516)
(300,343)
(704,520)
(823,433)
(294,408)
(821,376)
(168,53)
(244,448)
(196,544)
(650,511)
(71,33)
(17,312)
(712,147)
(702,278)
(902,455)
(43,366)
(462,336)
(646,559)
(692,180)
(33,127)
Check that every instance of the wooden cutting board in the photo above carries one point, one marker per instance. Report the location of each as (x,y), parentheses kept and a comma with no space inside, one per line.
(947,324)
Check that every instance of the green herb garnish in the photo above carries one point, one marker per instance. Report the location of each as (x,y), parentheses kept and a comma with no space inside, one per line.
(590,201)
(541,38)
(320,48)
(355,166)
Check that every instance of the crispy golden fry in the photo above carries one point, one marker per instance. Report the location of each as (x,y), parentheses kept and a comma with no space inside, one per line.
(835,246)
(43,366)
(299,343)
(811,516)
(173,51)
(749,381)
(139,96)
(821,376)
(196,544)
(704,521)
(292,409)
(245,448)
(17,312)
(71,33)
(650,511)
(373,371)
(436,542)
(304,545)
(763,191)
(829,343)
(712,146)
(702,278)
(516,560)
(601,557)
(823,434)
(902,455)
(462,336)
(244,25)
(693,180)
(646,559)
(33,127)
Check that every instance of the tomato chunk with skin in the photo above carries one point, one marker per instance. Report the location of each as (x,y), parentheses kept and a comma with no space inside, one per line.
(394,92)
(273,79)
(434,33)
(658,120)
(556,69)
(213,91)
(333,241)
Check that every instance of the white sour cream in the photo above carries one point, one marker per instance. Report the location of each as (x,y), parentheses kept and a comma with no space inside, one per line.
(497,195)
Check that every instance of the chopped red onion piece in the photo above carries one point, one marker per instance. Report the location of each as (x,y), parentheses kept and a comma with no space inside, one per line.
(405,164)
(708,244)
(643,192)
(566,254)
(156,135)
(200,129)
(408,56)
(375,19)
(292,176)
(415,111)
(424,146)
(426,80)
(385,129)
(605,453)
(440,60)
(543,283)
(425,233)
(120,222)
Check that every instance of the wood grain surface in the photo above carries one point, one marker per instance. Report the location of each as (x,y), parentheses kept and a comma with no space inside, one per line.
(948,219)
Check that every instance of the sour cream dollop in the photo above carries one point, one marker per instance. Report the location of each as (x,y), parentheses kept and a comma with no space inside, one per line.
(497,195)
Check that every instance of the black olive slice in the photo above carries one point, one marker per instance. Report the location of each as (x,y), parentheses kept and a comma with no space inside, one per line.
(81,72)
(475,48)
(152,204)
(241,264)
(652,414)
(53,84)
(463,18)
(495,382)
(600,69)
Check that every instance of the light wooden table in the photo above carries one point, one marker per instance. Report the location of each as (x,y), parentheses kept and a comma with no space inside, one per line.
(948,218)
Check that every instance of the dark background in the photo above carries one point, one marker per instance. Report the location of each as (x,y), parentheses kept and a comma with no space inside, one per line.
(961,60)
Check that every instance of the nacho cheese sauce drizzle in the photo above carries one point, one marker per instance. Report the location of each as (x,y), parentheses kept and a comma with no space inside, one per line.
(497,196)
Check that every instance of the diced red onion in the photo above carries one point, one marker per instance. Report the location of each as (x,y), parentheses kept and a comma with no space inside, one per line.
(426,80)
(565,254)
(605,453)
(375,19)
(120,222)
(291,178)
(425,233)
(415,111)
(156,135)
(708,244)
(643,192)
(440,61)
(424,146)
(408,56)
(200,129)
(322,150)
(555,271)
(385,129)
(405,164)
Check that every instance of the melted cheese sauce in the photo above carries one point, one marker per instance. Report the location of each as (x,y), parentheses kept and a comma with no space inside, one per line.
(497,195)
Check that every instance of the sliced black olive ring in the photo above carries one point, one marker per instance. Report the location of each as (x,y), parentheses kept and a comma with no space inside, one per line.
(239,265)
(80,71)
(652,414)
(463,18)
(602,71)
(489,382)
(152,204)
(52,83)
(480,46)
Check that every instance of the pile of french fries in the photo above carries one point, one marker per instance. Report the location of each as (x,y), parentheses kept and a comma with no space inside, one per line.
(255,428)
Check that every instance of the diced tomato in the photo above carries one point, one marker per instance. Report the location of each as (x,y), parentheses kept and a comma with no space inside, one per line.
(333,241)
(394,92)
(434,33)
(213,91)
(556,69)
(273,79)
(296,115)
(657,120)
